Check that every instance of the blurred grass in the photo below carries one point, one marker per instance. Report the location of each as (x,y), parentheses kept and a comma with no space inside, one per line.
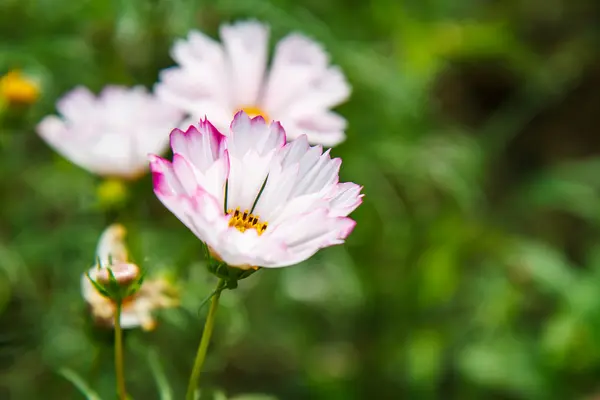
(474,269)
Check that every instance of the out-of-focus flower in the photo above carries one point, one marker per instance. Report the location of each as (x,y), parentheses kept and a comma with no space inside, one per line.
(216,81)
(15,88)
(111,134)
(137,309)
(253,199)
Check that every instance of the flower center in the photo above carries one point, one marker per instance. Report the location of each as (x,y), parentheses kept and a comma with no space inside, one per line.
(244,220)
(255,112)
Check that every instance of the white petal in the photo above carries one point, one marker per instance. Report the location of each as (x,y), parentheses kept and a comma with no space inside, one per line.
(110,134)
(164,177)
(298,61)
(198,50)
(304,236)
(185,174)
(111,245)
(87,289)
(201,212)
(326,91)
(345,199)
(248,248)
(199,161)
(130,318)
(307,176)
(200,146)
(325,127)
(193,92)
(253,135)
(77,105)
(252,145)
(246,45)
(246,177)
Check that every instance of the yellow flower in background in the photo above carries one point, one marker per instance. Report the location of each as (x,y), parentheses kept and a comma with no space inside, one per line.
(17,88)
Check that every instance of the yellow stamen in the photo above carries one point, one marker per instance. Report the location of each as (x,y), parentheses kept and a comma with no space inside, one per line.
(242,220)
(253,111)
(16,88)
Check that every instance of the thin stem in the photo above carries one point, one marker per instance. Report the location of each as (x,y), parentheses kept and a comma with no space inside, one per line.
(206,334)
(121,392)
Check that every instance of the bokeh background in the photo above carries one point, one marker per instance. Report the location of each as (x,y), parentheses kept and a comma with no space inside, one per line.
(474,270)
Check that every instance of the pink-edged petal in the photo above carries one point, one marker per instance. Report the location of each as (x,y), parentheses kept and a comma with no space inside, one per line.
(315,177)
(253,135)
(200,212)
(212,180)
(185,174)
(201,146)
(246,46)
(299,179)
(164,178)
(293,152)
(305,235)
(346,198)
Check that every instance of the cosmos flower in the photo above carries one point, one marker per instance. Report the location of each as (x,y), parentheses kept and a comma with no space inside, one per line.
(15,88)
(137,310)
(217,80)
(253,199)
(111,134)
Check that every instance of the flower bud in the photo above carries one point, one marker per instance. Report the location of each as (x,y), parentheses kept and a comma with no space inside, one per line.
(124,274)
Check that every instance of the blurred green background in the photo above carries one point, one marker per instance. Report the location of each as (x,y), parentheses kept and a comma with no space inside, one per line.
(474,270)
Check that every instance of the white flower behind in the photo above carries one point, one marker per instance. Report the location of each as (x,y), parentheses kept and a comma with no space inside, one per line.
(217,80)
(137,310)
(110,134)
(253,199)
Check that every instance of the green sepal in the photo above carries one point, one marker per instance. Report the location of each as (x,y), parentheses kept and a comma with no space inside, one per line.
(97,286)
(230,275)
(113,290)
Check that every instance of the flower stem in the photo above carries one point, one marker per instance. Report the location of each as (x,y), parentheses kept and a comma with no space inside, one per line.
(206,334)
(121,392)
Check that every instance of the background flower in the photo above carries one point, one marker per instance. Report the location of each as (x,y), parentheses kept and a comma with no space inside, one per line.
(253,199)
(217,80)
(137,309)
(110,134)
(16,88)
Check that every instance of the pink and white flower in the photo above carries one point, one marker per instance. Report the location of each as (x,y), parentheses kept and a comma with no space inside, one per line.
(137,309)
(111,134)
(217,80)
(253,199)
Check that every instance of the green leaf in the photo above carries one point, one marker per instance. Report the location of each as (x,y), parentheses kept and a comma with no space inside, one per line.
(164,389)
(79,383)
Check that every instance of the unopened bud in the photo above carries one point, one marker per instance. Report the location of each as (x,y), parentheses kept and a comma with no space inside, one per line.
(124,274)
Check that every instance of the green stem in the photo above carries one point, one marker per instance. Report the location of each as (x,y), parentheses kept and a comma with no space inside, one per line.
(206,334)
(121,392)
